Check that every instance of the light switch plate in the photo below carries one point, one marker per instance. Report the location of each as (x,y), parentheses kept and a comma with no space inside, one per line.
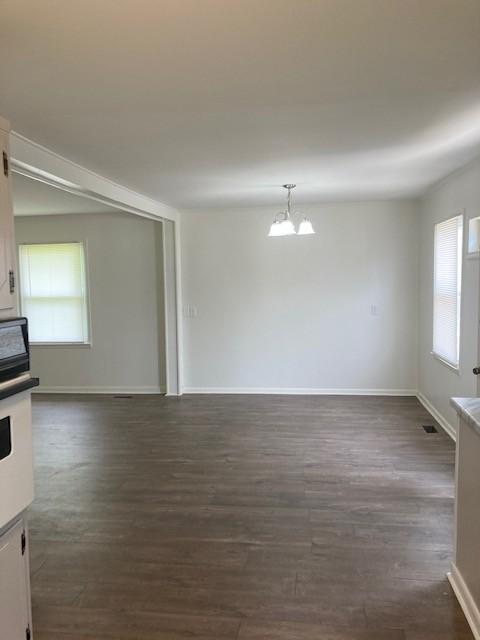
(189,311)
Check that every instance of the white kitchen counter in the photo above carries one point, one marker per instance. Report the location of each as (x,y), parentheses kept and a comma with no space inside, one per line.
(465,573)
(468,410)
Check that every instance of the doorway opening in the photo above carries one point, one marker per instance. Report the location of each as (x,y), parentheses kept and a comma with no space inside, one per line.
(130,341)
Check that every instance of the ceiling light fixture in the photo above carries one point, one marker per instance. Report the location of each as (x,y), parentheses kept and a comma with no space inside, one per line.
(283,224)
(305,228)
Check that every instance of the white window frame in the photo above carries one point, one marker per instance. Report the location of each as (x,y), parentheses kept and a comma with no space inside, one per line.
(473,242)
(84,344)
(453,366)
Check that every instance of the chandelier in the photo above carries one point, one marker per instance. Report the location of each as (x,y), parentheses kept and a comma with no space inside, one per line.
(283,224)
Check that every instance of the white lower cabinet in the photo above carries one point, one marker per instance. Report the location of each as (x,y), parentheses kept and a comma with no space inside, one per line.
(15,613)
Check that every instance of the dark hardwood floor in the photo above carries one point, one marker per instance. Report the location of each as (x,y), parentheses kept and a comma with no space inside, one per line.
(249,517)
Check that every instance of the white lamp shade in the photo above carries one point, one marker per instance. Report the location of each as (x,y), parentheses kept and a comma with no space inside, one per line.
(305,228)
(282,228)
(275,229)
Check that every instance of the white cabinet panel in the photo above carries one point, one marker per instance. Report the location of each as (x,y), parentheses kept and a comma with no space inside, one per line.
(7,245)
(14,585)
(16,468)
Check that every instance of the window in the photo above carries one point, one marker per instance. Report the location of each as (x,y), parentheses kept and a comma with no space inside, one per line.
(53,292)
(474,236)
(447,288)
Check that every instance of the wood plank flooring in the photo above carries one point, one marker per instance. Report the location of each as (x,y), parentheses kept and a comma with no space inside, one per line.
(241,517)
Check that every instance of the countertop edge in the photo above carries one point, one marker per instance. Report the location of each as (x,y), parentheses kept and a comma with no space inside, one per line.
(8,392)
(469,410)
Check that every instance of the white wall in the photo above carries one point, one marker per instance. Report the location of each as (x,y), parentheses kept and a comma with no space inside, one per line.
(437,382)
(295,313)
(122,274)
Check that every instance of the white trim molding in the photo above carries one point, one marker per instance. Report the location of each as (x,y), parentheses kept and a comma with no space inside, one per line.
(300,391)
(101,390)
(35,161)
(446,426)
(466,600)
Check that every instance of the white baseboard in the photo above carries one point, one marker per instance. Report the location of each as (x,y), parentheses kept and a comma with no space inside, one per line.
(446,426)
(464,597)
(300,391)
(100,390)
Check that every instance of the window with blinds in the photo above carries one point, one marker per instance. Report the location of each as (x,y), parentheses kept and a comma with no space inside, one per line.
(53,292)
(447,289)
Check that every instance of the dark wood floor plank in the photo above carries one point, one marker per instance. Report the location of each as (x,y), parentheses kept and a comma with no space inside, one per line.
(260,630)
(70,622)
(257,517)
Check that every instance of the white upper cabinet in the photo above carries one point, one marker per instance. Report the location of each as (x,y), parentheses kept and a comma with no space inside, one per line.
(7,242)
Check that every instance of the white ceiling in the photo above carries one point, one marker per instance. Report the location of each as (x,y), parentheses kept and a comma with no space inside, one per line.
(34,198)
(218,102)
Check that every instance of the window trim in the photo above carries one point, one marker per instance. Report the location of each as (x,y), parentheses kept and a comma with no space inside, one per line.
(75,345)
(82,345)
(454,367)
(475,254)
(446,363)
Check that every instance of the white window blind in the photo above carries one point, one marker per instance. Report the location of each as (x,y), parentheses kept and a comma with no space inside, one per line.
(447,289)
(53,292)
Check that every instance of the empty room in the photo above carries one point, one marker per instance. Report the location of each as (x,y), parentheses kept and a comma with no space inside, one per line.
(239,320)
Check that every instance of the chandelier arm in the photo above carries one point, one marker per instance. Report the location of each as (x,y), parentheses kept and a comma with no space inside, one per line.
(289,188)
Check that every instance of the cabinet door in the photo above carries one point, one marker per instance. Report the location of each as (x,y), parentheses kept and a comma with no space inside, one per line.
(14,585)
(7,249)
